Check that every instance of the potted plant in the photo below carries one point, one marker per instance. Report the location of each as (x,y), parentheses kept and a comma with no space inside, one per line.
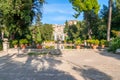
(95,44)
(38,45)
(102,43)
(15,43)
(77,43)
(90,42)
(70,42)
(23,42)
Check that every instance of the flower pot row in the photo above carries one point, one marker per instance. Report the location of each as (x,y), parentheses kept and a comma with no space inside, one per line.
(23,44)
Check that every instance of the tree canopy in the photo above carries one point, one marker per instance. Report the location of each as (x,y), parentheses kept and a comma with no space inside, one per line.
(90,9)
(17,15)
(85,6)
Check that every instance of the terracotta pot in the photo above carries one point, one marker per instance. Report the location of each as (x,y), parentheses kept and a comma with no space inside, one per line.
(77,47)
(39,47)
(15,46)
(91,45)
(94,46)
(97,45)
(103,46)
(23,46)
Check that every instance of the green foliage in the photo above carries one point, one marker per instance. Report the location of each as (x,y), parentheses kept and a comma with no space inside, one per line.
(78,41)
(115,24)
(36,53)
(90,10)
(37,33)
(103,42)
(23,41)
(28,36)
(46,32)
(75,31)
(118,4)
(1,47)
(70,42)
(101,30)
(116,33)
(66,27)
(17,15)
(93,41)
(49,47)
(14,42)
(96,42)
(41,32)
(90,41)
(114,44)
(85,6)
(38,37)
(69,47)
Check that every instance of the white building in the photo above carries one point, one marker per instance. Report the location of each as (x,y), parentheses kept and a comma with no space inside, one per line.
(58,32)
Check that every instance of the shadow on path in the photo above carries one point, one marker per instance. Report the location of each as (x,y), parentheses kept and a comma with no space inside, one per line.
(90,73)
(109,54)
(34,68)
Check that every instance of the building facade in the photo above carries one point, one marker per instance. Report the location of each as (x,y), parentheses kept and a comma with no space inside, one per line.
(58,32)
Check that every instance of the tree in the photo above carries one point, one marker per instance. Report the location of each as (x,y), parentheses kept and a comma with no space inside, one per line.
(115,18)
(118,4)
(109,19)
(75,31)
(87,7)
(66,27)
(17,15)
(46,32)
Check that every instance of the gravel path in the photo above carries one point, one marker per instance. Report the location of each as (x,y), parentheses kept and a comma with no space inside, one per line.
(72,65)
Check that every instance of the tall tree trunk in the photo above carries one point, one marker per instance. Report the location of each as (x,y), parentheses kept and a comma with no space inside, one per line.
(89,31)
(86,15)
(109,20)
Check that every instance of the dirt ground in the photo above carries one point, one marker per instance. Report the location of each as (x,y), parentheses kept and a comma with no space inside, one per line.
(84,64)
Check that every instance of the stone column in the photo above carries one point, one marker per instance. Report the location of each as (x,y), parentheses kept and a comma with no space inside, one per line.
(5,44)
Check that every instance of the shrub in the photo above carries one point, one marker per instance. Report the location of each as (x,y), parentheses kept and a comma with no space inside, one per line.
(14,42)
(35,53)
(49,47)
(114,44)
(96,42)
(103,42)
(69,47)
(90,41)
(77,42)
(70,41)
(23,41)
(93,41)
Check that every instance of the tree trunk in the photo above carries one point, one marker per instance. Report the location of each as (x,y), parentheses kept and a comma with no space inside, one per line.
(89,31)
(109,20)
(86,15)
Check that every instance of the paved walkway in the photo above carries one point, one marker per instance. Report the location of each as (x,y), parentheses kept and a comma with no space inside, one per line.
(72,65)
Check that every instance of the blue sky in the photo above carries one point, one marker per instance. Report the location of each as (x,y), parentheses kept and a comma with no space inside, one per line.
(58,11)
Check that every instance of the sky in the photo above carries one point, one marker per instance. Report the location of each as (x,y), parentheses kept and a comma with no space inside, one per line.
(58,11)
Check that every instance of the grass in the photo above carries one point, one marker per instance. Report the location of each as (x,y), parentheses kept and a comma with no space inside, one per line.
(36,53)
